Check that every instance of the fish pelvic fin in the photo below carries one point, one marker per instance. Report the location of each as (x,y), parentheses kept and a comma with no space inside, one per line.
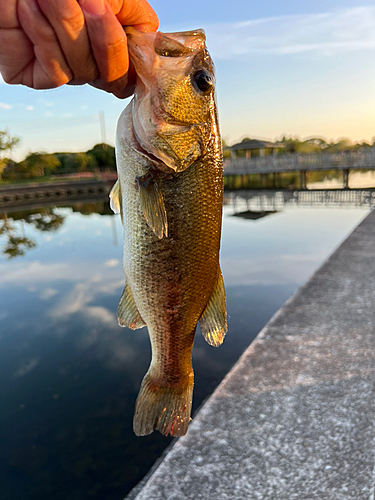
(163,408)
(127,312)
(152,205)
(213,321)
(115,198)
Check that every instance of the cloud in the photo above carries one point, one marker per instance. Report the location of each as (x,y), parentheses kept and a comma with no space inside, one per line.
(79,300)
(26,367)
(74,302)
(46,102)
(29,108)
(48,293)
(101,314)
(4,105)
(270,269)
(339,31)
(1,79)
(111,263)
(37,272)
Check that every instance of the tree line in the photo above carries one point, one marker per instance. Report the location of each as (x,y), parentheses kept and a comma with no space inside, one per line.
(312,145)
(319,145)
(37,165)
(102,157)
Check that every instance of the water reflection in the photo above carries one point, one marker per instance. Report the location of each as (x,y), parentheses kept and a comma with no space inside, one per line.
(45,219)
(69,376)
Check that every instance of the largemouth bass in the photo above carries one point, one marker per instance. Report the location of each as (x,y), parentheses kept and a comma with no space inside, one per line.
(169,192)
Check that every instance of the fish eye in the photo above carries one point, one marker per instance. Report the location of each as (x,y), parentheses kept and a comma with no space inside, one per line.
(202,81)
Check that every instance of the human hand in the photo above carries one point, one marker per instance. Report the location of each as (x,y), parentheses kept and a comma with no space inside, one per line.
(45,44)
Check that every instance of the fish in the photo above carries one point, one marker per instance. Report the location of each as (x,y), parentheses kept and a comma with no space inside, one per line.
(169,193)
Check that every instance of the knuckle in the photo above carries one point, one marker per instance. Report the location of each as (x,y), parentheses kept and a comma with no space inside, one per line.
(46,34)
(74,19)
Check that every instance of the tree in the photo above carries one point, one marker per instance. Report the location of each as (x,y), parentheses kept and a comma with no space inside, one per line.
(45,220)
(76,162)
(16,245)
(104,156)
(39,164)
(7,143)
(84,162)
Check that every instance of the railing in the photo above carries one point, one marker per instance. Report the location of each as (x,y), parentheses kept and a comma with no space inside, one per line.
(276,200)
(345,160)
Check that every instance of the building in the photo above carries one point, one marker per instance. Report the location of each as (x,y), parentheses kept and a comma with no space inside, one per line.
(255,146)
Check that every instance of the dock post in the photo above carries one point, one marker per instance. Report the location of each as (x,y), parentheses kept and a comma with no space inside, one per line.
(262,180)
(345,178)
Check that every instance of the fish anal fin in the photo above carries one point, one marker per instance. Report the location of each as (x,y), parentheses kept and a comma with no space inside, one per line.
(115,198)
(127,312)
(213,321)
(162,407)
(152,205)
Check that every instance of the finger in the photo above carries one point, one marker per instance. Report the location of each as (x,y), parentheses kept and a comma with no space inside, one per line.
(67,20)
(137,13)
(8,14)
(125,91)
(16,57)
(50,68)
(108,43)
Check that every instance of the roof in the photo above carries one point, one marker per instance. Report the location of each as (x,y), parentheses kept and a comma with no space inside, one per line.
(255,144)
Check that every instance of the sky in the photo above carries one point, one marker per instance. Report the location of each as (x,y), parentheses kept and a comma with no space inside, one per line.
(283,68)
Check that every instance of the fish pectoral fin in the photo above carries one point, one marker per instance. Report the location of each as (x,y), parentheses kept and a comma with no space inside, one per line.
(115,198)
(152,205)
(127,312)
(213,321)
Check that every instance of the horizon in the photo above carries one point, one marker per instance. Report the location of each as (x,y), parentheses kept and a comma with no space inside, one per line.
(295,70)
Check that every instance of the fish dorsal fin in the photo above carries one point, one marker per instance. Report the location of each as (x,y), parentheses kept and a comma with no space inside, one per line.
(115,198)
(213,321)
(127,312)
(152,205)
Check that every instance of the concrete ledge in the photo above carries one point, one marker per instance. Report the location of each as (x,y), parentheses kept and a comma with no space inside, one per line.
(294,419)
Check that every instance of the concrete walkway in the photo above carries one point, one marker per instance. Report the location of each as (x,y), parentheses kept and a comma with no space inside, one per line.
(294,419)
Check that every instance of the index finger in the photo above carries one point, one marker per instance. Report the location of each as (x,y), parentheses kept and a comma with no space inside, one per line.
(137,13)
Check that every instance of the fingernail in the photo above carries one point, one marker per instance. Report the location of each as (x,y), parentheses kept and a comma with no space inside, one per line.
(93,7)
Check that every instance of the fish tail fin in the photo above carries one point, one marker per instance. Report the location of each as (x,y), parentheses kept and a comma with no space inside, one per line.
(164,408)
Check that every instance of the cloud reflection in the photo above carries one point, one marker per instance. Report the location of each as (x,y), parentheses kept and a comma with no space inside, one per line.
(26,368)
(78,300)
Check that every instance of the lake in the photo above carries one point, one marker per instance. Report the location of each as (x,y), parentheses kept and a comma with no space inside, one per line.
(69,376)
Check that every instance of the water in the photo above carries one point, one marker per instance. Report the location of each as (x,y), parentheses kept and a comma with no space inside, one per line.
(69,375)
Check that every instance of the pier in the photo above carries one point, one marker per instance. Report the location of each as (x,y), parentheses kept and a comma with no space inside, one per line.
(275,164)
(294,418)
